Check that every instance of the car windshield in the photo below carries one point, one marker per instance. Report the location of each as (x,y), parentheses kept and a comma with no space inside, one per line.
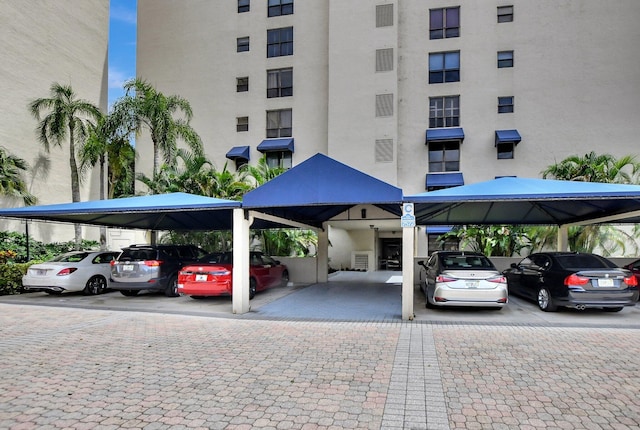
(466,262)
(217,258)
(71,258)
(583,261)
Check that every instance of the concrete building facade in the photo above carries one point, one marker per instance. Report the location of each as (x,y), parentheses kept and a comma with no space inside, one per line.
(420,94)
(44,42)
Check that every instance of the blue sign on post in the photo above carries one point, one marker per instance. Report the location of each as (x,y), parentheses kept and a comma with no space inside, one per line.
(408,218)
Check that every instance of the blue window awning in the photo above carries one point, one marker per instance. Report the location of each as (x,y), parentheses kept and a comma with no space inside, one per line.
(439,229)
(507,136)
(441,180)
(238,152)
(440,134)
(276,145)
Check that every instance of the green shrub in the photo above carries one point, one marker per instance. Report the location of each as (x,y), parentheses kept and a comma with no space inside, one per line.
(11,277)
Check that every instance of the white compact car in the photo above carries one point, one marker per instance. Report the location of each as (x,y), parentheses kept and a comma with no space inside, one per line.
(86,271)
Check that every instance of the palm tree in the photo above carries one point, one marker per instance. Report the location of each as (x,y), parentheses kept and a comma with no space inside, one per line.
(595,168)
(143,106)
(67,118)
(262,172)
(11,181)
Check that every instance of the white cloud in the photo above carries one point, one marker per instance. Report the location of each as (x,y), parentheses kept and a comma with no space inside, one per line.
(123,14)
(117,78)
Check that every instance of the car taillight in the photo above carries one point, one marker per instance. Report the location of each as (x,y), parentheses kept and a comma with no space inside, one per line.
(574,279)
(112,263)
(443,278)
(631,281)
(152,263)
(498,280)
(67,271)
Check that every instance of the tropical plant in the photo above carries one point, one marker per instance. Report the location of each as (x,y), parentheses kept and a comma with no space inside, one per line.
(491,240)
(262,172)
(144,107)
(12,184)
(595,168)
(66,119)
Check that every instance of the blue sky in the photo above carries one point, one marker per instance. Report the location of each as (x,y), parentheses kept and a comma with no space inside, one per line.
(122,45)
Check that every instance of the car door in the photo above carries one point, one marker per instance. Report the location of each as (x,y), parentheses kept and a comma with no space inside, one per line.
(274,269)
(534,274)
(259,271)
(433,270)
(518,277)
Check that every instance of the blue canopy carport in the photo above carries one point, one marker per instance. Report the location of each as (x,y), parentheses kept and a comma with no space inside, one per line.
(312,193)
(174,211)
(512,200)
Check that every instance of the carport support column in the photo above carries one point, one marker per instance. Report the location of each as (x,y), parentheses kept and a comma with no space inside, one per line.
(563,238)
(240,276)
(408,245)
(322,260)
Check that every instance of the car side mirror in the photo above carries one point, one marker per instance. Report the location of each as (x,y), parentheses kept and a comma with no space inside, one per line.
(422,263)
(514,266)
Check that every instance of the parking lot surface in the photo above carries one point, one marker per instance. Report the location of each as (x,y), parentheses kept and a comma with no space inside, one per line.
(108,362)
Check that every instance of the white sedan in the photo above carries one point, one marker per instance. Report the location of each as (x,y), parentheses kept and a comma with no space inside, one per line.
(457,278)
(86,271)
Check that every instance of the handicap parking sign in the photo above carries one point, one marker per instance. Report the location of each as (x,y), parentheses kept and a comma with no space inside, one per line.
(408,218)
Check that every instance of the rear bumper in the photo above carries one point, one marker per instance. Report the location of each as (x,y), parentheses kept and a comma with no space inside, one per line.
(155,284)
(444,296)
(205,288)
(604,299)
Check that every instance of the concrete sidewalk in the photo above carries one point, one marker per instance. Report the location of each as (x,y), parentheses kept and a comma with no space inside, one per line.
(78,369)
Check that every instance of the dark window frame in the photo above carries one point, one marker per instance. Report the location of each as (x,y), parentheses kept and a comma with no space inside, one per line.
(279,8)
(279,42)
(242,84)
(505,150)
(444,67)
(244,6)
(444,23)
(282,129)
(279,159)
(280,82)
(242,124)
(444,111)
(505,14)
(505,59)
(242,44)
(506,104)
(444,156)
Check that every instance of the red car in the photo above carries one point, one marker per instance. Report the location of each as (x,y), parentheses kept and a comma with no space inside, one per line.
(211,275)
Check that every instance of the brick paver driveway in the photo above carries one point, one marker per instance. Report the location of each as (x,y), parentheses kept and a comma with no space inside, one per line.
(77,368)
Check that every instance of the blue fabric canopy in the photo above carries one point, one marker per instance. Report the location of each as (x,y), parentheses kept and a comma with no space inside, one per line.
(276,145)
(508,136)
(320,188)
(236,152)
(175,211)
(440,134)
(511,200)
(445,179)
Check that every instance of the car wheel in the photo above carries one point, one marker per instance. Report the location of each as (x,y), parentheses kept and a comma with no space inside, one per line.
(545,302)
(618,309)
(96,285)
(252,288)
(172,287)
(285,278)
(129,293)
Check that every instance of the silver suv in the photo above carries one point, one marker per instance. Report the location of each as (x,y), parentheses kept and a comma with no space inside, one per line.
(151,267)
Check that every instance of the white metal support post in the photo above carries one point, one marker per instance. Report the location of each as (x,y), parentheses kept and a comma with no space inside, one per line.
(563,238)
(408,222)
(240,276)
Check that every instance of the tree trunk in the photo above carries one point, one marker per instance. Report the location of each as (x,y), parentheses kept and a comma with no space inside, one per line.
(75,182)
(103,229)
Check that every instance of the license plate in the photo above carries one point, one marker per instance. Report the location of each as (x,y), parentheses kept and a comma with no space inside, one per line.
(471,284)
(201,278)
(41,272)
(127,267)
(605,282)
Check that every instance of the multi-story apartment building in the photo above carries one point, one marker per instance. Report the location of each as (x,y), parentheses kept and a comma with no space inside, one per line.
(420,94)
(45,42)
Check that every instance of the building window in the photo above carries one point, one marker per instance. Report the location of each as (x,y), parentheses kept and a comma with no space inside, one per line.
(505,150)
(279,159)
(244,6)
(505,104)
(242,123)
(444,67)
(280,83)
(444,23)
(242,44)
(505,13)
(279,123)
(384,60)
(384,15)
(280,42)
(444,156)
(444,111)
(240,163)
(505,59)
(280,7)
(242,84)
(384,105)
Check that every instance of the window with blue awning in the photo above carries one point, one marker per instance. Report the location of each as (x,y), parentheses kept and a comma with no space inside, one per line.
(268,145)
(443,134)
(507,136)
(436,181)
(238,152)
